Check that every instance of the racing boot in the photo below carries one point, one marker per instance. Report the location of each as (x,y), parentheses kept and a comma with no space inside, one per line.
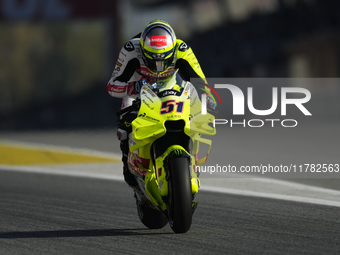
(124,146)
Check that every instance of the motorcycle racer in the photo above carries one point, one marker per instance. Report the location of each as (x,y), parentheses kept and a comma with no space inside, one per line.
(153,54)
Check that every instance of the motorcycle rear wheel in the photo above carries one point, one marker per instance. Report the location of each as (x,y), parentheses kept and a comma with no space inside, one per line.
(180,195)
(151,218)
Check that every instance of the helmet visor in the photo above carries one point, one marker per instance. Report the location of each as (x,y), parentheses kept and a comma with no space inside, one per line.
(158,62)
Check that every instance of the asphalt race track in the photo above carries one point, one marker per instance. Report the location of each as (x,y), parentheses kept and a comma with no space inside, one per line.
(56,213)
(49,214)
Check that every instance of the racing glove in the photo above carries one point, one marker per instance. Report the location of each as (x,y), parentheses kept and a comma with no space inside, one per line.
(135,87)
(139,84)
(210,103)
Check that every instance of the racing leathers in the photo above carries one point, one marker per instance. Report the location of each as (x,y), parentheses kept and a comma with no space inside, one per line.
(129,69)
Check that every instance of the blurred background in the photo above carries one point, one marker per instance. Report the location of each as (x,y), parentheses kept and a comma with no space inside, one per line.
(56,56)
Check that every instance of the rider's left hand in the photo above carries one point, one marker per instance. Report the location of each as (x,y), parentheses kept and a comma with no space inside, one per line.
(210,103)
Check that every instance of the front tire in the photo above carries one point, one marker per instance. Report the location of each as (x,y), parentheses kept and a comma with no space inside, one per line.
(180,197)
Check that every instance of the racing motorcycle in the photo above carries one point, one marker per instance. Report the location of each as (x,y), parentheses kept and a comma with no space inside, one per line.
(164,152)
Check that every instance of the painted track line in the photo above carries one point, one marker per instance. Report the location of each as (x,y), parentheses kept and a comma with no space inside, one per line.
(269,188)
(64,149)
(114,172)
(275,196)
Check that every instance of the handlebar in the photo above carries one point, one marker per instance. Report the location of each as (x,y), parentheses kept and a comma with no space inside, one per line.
(134,107)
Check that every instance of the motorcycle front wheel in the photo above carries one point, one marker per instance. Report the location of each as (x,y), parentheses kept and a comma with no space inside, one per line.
(180,195)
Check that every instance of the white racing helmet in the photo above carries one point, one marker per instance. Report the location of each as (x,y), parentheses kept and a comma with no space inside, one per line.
(158,44)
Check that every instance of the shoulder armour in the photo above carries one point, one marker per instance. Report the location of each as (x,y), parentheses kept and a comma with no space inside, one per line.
(183,46)
(129,46)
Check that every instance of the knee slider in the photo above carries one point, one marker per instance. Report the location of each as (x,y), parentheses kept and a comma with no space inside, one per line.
(122,134)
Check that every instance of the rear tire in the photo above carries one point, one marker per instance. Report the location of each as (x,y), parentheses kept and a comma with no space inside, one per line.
(150,217)
(180,197)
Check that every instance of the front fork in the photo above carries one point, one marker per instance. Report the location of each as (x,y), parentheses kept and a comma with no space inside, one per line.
(156,182)
(161,173)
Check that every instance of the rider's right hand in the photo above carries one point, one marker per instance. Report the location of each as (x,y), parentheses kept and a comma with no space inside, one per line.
(139,84)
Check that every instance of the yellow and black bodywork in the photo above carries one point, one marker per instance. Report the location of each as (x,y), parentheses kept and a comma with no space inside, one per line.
(169,124)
